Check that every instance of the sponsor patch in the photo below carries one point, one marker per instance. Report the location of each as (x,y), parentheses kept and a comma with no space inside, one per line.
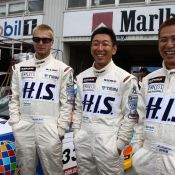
(107,88)
(132,103)
(31,68)
(156,87)
(149,128)
(160,79)
(50,76)
(160,109)
(88,87)
(52,70)
(70,93)
(36,119)
(109,80)
(70,90)
(26,103)
(100,105)
(89,80)
(163,149)
(32,90)
(28,74)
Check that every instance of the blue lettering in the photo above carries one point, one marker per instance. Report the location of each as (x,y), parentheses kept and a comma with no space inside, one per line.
(108,106)
(48,90)
(28,89)
(16,27)
(8,29)
(87,102)
(95,104)
(153,107)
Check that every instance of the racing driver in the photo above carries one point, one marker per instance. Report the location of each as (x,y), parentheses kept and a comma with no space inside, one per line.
(105,109)
(157,156)
(40,108)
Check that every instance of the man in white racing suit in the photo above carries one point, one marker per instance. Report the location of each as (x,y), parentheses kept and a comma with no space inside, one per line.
(157,156)
(42,93)
(105,109)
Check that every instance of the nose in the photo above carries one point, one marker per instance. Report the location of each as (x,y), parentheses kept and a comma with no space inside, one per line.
(170,42)
(40,41)
(100,46)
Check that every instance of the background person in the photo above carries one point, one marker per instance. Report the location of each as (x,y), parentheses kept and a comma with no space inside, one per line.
(142,73)
(157,155)
(40,106)
(105,109)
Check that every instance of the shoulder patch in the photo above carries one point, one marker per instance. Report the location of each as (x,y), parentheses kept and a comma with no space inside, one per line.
(126,78)
(67,68)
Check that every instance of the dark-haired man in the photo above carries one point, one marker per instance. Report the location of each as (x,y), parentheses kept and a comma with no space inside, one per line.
(105,109)
(157,155)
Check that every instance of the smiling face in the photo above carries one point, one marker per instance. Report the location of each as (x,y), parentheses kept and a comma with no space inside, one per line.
(167,46)
(102,50)
(42,48)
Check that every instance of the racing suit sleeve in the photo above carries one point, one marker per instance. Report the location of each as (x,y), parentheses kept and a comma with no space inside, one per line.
(14,103)
(129,111)
(138,138)
(78,110)
(66,101)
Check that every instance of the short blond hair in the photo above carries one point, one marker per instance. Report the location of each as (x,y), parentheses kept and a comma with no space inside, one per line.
(44,27)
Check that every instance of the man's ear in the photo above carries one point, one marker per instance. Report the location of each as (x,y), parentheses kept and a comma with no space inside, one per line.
(114,50)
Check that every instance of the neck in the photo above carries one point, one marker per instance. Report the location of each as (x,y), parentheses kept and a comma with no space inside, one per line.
(41,56)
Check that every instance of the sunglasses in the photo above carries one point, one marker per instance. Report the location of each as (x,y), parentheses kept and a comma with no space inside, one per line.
(44,40)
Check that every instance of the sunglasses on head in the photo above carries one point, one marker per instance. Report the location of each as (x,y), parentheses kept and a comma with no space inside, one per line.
(44,40)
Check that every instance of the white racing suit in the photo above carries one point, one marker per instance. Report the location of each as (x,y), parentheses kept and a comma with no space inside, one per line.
(42,92)
(157,156)
(105,114)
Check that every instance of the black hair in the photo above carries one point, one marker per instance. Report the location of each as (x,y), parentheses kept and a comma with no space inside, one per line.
(168,22)
(144,69)
(107,31)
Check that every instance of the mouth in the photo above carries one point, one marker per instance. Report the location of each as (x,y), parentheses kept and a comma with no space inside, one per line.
(41,49)
(100,56)
(170,53)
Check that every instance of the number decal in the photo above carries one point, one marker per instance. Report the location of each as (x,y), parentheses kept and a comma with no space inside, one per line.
(66,154)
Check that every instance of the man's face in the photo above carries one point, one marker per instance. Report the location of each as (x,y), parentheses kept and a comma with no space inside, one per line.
(167,46)
(102,50)
(42,42)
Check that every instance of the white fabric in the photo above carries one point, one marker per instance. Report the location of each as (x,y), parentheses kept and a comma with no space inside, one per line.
(40,112)
(157,156)
(105,114)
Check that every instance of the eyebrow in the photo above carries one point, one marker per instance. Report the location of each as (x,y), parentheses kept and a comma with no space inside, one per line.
(101,41)
(167,36)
